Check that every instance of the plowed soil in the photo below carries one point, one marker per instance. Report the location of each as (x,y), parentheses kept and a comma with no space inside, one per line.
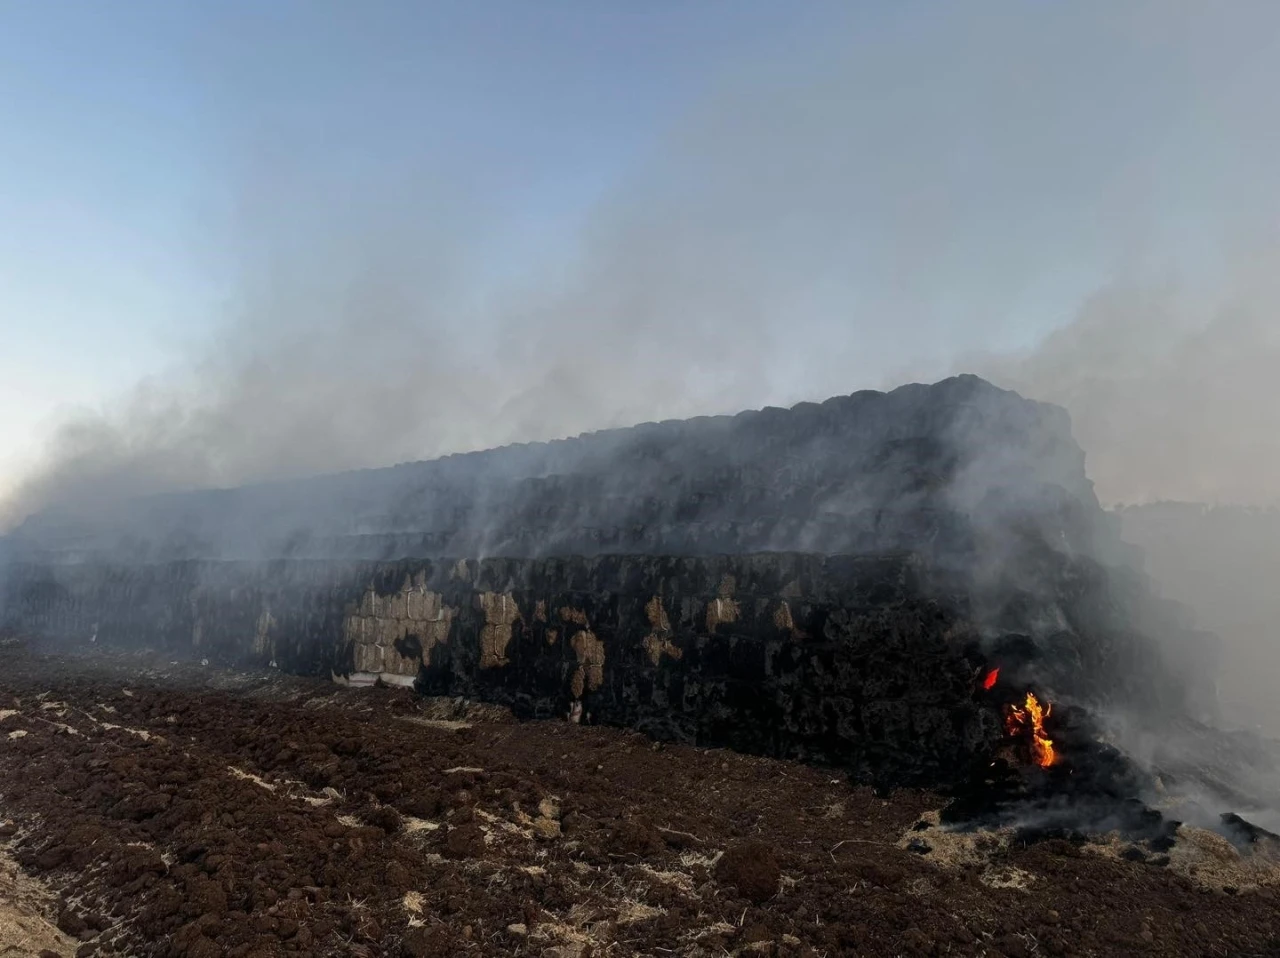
(163,809)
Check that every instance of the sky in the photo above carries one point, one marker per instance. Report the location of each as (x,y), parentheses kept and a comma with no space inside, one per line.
(245,240)
(130,133)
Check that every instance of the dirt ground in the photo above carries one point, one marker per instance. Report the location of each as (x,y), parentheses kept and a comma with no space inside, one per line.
(149,808)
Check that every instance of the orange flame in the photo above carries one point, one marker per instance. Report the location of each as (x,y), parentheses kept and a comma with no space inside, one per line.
(1028,722)
(989,682)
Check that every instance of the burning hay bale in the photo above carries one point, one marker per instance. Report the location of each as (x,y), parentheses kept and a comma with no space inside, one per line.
(1025,725)
(918,586)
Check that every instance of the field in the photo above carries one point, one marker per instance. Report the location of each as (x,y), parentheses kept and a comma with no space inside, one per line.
(156,808)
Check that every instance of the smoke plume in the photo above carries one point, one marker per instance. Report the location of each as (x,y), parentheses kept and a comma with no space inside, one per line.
(1170,400)
(897,198)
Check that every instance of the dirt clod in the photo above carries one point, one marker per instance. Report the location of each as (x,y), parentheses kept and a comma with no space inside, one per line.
(752,869)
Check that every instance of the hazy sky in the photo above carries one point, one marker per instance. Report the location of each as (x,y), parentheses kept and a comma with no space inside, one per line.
(131,134)
(294,223)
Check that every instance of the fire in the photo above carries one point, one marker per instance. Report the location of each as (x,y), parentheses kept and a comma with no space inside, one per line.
(1028,722)
(989,682)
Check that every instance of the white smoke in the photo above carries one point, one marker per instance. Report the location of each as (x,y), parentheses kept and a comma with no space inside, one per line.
(886,198)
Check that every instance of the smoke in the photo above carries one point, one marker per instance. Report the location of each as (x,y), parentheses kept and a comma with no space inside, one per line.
(899,196)
(1170,399)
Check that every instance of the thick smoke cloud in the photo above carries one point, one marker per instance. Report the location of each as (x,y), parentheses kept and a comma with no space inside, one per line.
(1171,399)
(803,231)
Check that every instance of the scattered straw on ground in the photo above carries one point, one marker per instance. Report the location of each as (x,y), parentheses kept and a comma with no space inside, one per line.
(1209,860)
(449,725)
(140,733)
(413,825)
(250,777)
(25,909)
(951,849)
(954,849)
(1006,876)
(412,902)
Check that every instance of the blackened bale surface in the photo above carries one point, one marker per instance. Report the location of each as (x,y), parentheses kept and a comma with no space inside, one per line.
(826,582)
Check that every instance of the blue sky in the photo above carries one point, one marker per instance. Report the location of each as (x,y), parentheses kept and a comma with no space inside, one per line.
(128,133)
(128,127)
(850,189)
